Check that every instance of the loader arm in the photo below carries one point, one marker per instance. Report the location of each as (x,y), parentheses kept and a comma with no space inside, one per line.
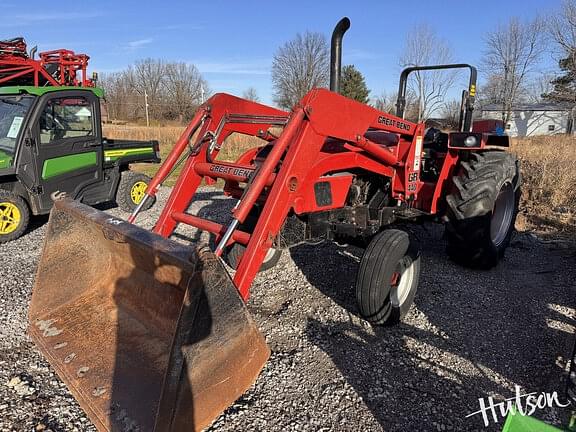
(297,161)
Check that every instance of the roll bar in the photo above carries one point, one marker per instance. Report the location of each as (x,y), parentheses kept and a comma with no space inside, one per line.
(468,96)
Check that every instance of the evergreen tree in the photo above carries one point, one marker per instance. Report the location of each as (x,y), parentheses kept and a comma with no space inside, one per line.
(565,85)
(352,84)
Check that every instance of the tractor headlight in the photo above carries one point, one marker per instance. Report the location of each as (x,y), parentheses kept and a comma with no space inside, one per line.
(471,141)
(465,140)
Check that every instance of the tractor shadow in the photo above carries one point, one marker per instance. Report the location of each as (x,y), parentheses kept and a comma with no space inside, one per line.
(212,205)
(471,334)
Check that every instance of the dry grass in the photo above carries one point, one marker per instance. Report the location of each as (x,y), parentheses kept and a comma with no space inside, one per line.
(548,171)
(549,176)
(234,146)
(549,183)
(165,135)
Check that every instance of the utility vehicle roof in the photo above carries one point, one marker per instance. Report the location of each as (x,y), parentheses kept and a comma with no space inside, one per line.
(39,91)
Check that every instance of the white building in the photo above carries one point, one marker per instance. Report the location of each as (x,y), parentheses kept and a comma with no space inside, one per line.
(533,119)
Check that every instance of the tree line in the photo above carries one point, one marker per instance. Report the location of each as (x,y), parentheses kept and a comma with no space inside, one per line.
(172,91)
(512,54)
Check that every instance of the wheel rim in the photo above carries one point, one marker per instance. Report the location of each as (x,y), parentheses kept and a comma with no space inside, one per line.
(269,255)
(10,217)
(137,192)
(502,214)
(402,280)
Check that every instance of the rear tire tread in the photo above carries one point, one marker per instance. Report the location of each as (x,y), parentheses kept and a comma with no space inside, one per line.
(470,206)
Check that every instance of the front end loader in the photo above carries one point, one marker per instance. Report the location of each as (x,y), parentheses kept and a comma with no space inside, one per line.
(148,334)
(151,334)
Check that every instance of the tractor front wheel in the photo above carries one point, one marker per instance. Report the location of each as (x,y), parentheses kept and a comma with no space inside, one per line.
(14,216)
(482,208)
(388,277)
(234,254)
(131,191)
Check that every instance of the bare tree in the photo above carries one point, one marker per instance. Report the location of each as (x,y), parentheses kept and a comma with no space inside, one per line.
(512,52)
(298,66)
(538,87)
(251,94)
(121,99)
(174,90)
(110,84)
(562,29)
(423,47)
(147,77)
(451,113)
(386,102)
(185,88)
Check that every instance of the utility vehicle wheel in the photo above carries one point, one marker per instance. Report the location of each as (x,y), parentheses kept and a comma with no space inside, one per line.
(388,277)
(482,208)
(131,191)
(235,252)
(14,216)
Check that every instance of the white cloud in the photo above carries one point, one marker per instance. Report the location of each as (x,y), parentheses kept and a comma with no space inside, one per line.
(135,44)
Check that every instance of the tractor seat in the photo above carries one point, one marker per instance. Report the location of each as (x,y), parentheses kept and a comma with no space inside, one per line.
(435,139)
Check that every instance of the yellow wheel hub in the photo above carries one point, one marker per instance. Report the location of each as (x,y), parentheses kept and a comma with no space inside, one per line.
(137,191)
(10,217)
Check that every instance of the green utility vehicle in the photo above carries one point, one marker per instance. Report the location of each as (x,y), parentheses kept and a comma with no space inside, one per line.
(51,143)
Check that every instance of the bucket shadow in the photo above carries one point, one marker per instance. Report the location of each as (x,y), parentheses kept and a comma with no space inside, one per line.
(120,313)
(186,345)
(213,206)
(161,312)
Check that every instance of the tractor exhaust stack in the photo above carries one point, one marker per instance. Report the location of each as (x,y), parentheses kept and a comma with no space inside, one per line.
(336,53)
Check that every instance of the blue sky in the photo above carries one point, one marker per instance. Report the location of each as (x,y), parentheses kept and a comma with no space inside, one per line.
(233,43)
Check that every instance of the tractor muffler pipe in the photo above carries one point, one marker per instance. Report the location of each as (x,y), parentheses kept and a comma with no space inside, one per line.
(336,53)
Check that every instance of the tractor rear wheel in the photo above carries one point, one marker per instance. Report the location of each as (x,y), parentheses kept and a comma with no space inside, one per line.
(482,208)
(234,254)
(14,216)
(388,277)
(131,191)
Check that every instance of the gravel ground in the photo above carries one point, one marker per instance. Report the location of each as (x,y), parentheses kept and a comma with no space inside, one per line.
(469,335)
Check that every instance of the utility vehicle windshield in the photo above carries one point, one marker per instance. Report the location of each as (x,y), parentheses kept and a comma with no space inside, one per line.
(13,110)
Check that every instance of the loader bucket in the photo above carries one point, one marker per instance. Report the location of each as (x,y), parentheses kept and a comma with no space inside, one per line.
(148,334)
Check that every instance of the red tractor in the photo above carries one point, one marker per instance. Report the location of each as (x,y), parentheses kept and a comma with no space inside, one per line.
(332,169)
(342,170)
